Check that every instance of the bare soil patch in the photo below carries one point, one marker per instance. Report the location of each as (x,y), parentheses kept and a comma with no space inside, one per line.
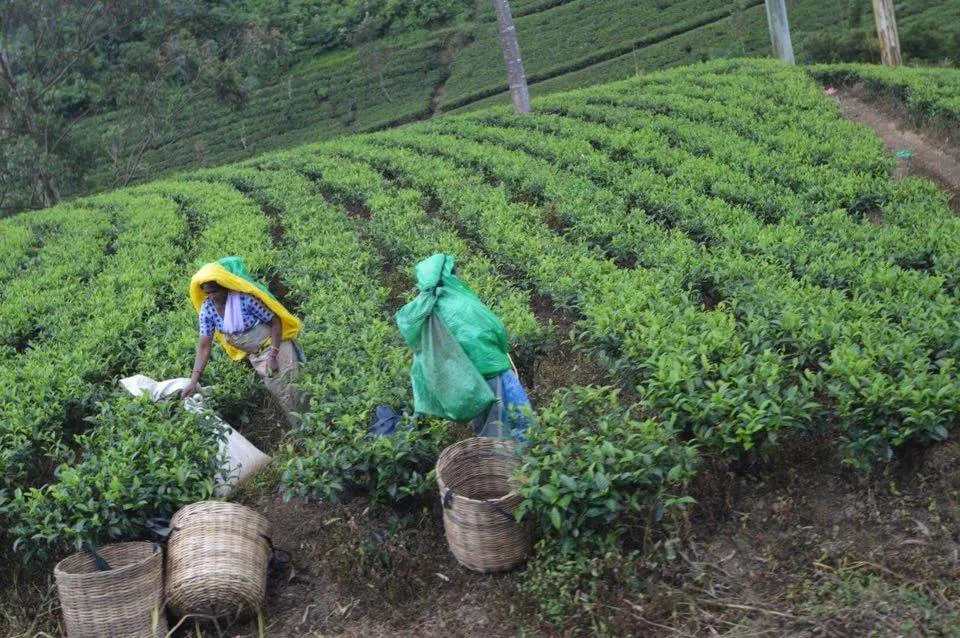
(935,153)
(804,546)
(360,572)
(810,547)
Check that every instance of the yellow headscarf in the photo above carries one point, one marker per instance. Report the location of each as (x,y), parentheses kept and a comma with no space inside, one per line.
(218,272)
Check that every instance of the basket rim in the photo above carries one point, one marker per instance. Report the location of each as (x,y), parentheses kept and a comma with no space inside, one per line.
(226,509)
(467,499)
(448,452)
(155,551)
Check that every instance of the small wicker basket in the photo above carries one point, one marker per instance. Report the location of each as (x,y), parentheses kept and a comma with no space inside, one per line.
(125,600)
(217,559)
(478,504)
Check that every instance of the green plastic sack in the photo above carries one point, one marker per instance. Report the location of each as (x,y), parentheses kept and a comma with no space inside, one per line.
(456,340)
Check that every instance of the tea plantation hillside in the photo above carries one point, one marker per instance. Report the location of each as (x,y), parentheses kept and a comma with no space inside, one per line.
(566,45)
(930,95)
(730,256)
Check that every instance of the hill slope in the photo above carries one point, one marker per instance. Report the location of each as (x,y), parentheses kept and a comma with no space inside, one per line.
(566,45)
(718,243)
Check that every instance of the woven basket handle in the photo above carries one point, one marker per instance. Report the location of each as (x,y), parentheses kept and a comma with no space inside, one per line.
(279,558)
(499,510)
(160,527)
(100,562)
(513,365)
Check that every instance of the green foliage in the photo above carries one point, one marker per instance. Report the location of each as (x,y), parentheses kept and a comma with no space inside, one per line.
(198,84)
(720,240)
(839,45)
(931,96)
(336,94)
(569,37)
(330,25)
(104,297)
(738,373)
(140,460)
(930,32)
(397,219)
(569,588)
(593,473)
(815,29)
(93,93)
(356,359)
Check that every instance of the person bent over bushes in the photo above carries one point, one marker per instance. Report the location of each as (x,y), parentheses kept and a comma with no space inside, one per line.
(249,322)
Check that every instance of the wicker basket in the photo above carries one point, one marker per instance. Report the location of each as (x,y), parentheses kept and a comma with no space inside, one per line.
(478,504)
(217,559)
(125,600)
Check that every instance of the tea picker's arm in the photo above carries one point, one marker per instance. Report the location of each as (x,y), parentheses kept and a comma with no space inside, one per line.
(199,364)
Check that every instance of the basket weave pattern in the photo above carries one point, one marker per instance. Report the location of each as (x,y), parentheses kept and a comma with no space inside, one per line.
(119,602)
(217,559)
(478,504)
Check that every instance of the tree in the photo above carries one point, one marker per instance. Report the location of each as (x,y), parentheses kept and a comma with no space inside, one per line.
(516,76)
(887,32)
(163,81)
(65,61)
(46,46)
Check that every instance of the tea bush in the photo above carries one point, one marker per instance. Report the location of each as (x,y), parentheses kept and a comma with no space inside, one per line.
(931,95)
(356,358)
(141,459)
(722,243)
(568,37)
(593,472)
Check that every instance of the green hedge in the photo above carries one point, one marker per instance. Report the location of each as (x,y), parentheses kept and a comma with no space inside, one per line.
(931,96)
(724,243)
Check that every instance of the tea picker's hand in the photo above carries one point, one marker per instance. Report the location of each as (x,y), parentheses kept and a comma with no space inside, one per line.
(190,389)
(273,366)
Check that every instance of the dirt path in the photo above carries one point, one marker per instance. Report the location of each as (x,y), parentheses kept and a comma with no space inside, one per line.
(449,50)
(937,158)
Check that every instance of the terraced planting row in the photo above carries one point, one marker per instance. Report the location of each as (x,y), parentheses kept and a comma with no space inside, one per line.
(730,32)
(571,36)
(335,95)
(931,95)
(743,31)
(356,359)
(63,482)
(761,291)
(732,252)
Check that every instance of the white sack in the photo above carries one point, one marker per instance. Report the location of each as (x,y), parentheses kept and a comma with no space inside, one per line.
(243,458)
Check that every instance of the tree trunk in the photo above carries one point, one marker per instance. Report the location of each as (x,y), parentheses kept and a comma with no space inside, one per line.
(49,193)
(779,30)
(511,55)
(887,32)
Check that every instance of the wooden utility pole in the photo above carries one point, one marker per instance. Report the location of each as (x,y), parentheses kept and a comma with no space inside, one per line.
(887,32)
(779,30)
(516,76)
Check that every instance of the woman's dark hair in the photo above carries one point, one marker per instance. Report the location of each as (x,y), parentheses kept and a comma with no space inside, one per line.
(214,287)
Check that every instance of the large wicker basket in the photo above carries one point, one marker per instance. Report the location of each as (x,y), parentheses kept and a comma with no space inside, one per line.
(478,504)
(217,559)
(125,600)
